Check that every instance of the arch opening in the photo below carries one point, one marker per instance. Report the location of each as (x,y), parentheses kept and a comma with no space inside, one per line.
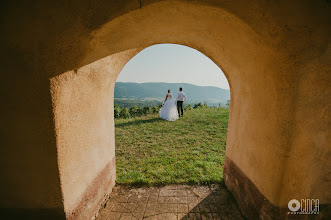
(240,53)
(137,101)
(274,54)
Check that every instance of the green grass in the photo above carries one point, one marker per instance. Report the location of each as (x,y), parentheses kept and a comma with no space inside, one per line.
(153,151)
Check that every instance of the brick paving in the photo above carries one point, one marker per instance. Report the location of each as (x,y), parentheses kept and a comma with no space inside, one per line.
(171,202)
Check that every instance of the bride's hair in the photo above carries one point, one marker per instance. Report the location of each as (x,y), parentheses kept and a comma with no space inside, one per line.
(169,91)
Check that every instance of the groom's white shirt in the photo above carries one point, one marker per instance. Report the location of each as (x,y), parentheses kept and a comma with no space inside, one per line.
(181,96)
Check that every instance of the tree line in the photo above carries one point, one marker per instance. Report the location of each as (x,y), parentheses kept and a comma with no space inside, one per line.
(137,111)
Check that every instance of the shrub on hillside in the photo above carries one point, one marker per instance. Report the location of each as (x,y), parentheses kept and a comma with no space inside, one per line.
(204,105)
(146,110)
(228,103)
(139,111)
(188,107)
(125,113)
(133,111)
(197,105)
(155,109)
(117,111)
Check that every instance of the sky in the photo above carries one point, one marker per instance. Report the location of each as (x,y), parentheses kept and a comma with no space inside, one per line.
(174,64)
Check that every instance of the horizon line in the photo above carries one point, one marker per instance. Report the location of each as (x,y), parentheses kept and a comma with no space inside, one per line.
(173,83)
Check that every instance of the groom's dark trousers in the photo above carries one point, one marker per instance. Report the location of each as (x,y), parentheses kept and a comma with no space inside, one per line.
(180,108)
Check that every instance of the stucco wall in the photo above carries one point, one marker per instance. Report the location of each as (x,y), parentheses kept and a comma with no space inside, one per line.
(61,64)
(84,126)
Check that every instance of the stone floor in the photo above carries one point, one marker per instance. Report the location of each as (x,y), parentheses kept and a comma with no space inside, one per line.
(170,202)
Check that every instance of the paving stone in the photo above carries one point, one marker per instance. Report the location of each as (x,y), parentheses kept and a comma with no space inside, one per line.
(153,198)
(128,207)
(168,192)
(192,200)
(172,200)
(193,208)
(167,208)
(191,193)
(167,216)
(150,217)
(193,216)
(140,191)
(182,200)
(225,209)
(140,208)
(181,216)
(126,216)
(178,202)
(163,199)
(216,216)
(181,193)
(113,216)
(205,216)
(202,192)
(214,208)
(137,198)
(215,187)
(153,191)
(185,187)
(137,216)
(182,208)
(233,216)
(121,199)
(118,208)
(204,207)
(121,191)
(170,187)
(220,215)
(151,209)
(103,215)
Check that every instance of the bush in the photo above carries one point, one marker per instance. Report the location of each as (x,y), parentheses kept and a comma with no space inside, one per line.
(125,113)
(204,105)
(139,111)
(228,103)
(188,107)
(197,105)
(117,111)
(133,111)
(146,110)
(155,109)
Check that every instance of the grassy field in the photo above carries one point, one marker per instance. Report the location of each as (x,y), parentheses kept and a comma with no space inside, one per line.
(153,151)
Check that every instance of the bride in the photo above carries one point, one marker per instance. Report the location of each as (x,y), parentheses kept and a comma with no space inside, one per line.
(169,110)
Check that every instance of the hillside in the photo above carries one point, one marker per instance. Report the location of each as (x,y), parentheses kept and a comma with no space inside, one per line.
(153,151)
(157,91)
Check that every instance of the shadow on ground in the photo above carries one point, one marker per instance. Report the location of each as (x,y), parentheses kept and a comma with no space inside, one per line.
(137,122)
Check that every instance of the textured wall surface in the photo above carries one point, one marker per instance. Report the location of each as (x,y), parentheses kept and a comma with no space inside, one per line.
(60,61)
(84,127)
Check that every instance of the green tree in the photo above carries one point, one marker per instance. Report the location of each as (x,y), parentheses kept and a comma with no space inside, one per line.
(125,113)
(139,111)
(146,110)
(155,109)
(117,111)
(197,105)
(204,105)
(188,107)
(133,111)
(228,103)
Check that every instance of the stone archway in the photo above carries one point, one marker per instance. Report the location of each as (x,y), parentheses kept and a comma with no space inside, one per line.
(63,61)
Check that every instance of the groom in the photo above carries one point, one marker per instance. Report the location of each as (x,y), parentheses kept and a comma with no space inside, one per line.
(181,97)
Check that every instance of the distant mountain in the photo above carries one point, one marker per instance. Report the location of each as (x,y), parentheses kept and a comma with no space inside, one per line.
(157,91)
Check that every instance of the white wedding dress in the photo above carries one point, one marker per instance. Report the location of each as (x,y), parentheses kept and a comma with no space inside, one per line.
(169,109)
